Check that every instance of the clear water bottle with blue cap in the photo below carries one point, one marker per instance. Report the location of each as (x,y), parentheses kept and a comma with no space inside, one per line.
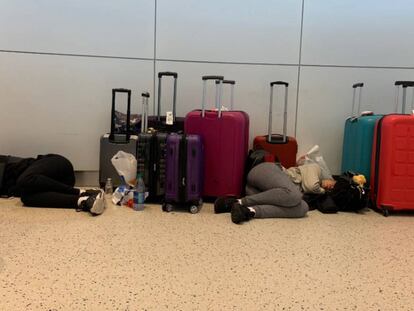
(139,194)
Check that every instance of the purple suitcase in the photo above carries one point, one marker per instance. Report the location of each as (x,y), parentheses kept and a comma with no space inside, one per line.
(225,138)
(184,172)
(159,122)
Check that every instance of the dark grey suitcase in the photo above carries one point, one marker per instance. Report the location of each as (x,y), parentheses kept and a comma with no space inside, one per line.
(151,148)
(115,141)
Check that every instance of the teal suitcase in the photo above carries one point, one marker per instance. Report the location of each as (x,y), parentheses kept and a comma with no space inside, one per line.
(358,139)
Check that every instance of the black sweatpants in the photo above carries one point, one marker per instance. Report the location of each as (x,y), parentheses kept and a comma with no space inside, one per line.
(49,182)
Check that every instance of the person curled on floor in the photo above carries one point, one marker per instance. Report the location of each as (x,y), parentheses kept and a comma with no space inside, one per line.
(47,181)
(275,192)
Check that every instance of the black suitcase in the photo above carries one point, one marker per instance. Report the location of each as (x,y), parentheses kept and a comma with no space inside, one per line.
(162,123)
(151,154)
(116,140)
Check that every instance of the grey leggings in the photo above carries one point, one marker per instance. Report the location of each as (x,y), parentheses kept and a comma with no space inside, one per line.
(272,194)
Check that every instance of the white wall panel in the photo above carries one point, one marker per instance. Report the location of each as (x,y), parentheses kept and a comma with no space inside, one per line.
(354,32)
(325,101)
(103,27)
(252,91)
(235,31)
(55,104)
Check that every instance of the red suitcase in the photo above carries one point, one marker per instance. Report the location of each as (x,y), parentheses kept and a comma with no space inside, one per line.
(283,147)
(224,134)
(392,164)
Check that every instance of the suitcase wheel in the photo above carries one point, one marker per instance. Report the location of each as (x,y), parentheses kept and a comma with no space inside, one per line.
(194,209)
(166,207)
(385,211)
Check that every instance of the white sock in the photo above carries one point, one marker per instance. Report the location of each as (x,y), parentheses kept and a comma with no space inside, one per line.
(81,191)
(240,202)
(252,210)
(81,199)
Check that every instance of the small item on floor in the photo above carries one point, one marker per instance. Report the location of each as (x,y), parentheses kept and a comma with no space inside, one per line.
(109,187)
(139,194)
(126,166)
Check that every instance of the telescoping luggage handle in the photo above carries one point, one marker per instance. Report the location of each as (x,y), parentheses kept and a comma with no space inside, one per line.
(355,87)
(269,131)
(404,85)
(127,134)
(218,93)
(232,83)
(167,74)
(144,121)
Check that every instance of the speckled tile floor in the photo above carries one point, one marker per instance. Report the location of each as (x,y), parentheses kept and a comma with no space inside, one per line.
(53,259)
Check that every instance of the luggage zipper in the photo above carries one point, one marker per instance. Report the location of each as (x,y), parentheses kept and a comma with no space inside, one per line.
(183,168)
(152,164)
(377,158)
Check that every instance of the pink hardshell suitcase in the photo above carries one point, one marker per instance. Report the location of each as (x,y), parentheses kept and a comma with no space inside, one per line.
(225,136)
(392,165)
(245,115)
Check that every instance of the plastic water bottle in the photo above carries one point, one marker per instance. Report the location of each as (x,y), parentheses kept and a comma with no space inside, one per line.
(108,187)
(139,194)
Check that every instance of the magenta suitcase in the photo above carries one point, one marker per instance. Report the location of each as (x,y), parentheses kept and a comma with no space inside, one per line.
(245,115)
(184,172)
(392,165)
(225,136)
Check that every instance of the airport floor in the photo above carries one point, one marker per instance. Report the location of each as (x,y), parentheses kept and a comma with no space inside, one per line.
(56,259)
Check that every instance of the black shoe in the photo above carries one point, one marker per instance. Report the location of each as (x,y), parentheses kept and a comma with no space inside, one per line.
(223,204)
(90,192)
(240,213)
(95,204)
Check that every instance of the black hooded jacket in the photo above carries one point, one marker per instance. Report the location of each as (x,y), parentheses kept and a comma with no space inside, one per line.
(10,169)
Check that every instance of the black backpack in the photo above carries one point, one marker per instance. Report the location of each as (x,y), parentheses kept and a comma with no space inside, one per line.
(348,195)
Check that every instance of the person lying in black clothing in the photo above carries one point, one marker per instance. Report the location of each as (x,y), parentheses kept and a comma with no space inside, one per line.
(47,181)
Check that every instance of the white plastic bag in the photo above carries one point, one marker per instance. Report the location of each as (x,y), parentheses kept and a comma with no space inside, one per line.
(314,156)
(126,166)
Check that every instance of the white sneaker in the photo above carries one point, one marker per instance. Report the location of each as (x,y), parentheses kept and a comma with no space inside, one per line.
(95,204)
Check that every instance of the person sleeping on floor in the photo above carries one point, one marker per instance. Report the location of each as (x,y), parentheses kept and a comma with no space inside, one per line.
(274,192)
(47,181)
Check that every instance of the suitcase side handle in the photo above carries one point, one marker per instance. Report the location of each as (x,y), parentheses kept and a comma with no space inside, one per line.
(269,129)
(404,85)
(175,76)
(356,86)
(232,83)
(144,121)
(112,133)
(219,93)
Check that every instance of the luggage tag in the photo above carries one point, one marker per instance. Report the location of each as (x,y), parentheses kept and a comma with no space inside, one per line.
(169,120)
